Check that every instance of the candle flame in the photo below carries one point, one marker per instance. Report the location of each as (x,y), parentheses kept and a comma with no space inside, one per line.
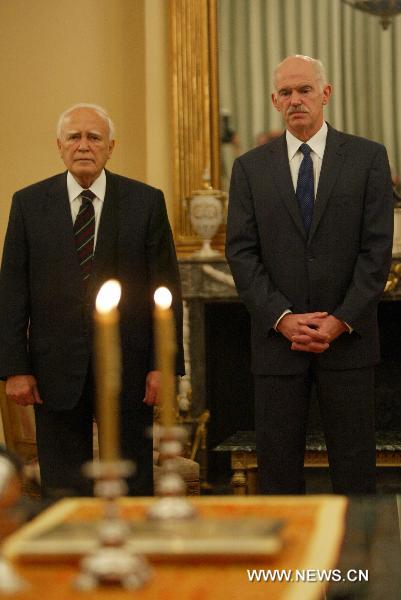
(163,298)
(109,296)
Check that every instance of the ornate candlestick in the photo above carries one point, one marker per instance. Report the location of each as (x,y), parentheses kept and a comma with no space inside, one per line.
(171,488)
(111,562)
(172,503)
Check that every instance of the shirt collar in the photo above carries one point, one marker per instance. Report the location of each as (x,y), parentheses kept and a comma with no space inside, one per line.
(98,187)
(317,143)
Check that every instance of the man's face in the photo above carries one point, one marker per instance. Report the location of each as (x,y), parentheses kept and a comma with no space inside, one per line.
(300,96)
(84,145)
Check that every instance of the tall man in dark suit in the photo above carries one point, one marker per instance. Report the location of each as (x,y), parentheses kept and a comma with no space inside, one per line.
(309,240)
(47,294)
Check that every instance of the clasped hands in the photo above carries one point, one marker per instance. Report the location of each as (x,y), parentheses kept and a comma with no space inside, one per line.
(311,332)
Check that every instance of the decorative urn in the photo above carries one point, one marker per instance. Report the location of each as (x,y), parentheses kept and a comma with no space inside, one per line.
(206,214)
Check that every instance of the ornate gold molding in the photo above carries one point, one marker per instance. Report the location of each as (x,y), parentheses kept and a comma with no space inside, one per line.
(393,277)
(194,84)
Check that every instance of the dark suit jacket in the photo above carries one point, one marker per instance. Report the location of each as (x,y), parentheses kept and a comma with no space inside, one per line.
(42,295)
(341,267)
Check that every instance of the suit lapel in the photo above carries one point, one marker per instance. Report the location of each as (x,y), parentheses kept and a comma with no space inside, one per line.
(332,162)
(60,224)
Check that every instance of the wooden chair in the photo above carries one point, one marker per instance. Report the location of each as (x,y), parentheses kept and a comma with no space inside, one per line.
(20,438)
(187,468)
(19,428)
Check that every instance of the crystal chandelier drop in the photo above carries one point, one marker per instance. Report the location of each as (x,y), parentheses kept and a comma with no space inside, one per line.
(385,9)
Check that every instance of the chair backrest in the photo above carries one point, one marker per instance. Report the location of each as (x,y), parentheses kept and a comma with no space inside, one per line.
(19,427)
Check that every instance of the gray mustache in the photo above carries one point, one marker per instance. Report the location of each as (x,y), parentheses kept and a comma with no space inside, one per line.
(297,109)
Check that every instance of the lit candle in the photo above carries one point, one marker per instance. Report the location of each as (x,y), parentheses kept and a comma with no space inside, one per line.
(165,353)
(108,368)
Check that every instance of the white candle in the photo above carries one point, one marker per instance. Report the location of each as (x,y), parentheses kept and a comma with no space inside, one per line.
(165,353)
(108,368)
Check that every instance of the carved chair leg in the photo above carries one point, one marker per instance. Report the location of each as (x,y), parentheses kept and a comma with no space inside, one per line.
(239,482)
(253,484)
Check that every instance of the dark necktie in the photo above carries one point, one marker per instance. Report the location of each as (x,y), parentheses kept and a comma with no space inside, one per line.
(305,188)
(84,232)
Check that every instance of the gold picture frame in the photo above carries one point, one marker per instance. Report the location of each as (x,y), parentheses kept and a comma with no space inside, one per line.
(195,102)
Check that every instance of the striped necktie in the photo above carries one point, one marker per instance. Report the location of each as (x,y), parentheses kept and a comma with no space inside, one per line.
(305,187)
(84,232)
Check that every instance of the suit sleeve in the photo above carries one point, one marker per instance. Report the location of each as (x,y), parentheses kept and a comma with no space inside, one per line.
(374,258)
(164,271)
(263,300)
(14,298)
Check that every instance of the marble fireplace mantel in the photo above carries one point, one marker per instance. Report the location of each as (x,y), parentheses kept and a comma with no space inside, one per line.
(206,279)
(211,279)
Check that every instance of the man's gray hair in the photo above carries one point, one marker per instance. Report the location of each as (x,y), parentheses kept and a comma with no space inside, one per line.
(102,112)
(316,63)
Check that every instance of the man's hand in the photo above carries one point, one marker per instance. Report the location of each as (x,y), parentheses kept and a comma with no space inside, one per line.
(303,331)
(153,381)
(317,335)
(23,390)
(290,324)
(332,327)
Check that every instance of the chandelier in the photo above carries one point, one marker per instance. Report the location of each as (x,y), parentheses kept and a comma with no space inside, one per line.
(385,9)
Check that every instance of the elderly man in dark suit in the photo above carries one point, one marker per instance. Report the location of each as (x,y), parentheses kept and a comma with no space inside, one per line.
(309,240)
(66,236)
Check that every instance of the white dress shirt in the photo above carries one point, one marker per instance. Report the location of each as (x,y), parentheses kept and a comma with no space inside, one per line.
(98,187)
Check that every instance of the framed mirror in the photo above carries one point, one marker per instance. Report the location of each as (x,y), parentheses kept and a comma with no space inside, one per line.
(194,80)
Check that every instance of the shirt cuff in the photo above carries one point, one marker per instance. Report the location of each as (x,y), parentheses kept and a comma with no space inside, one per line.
(286,312)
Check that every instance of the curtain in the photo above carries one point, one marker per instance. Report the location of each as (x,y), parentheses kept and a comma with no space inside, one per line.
(362,61)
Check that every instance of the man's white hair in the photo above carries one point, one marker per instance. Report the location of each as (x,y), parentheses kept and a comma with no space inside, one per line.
(102,112)
(317,66)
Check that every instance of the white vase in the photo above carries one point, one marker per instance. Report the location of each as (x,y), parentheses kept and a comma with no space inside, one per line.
(206,214)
